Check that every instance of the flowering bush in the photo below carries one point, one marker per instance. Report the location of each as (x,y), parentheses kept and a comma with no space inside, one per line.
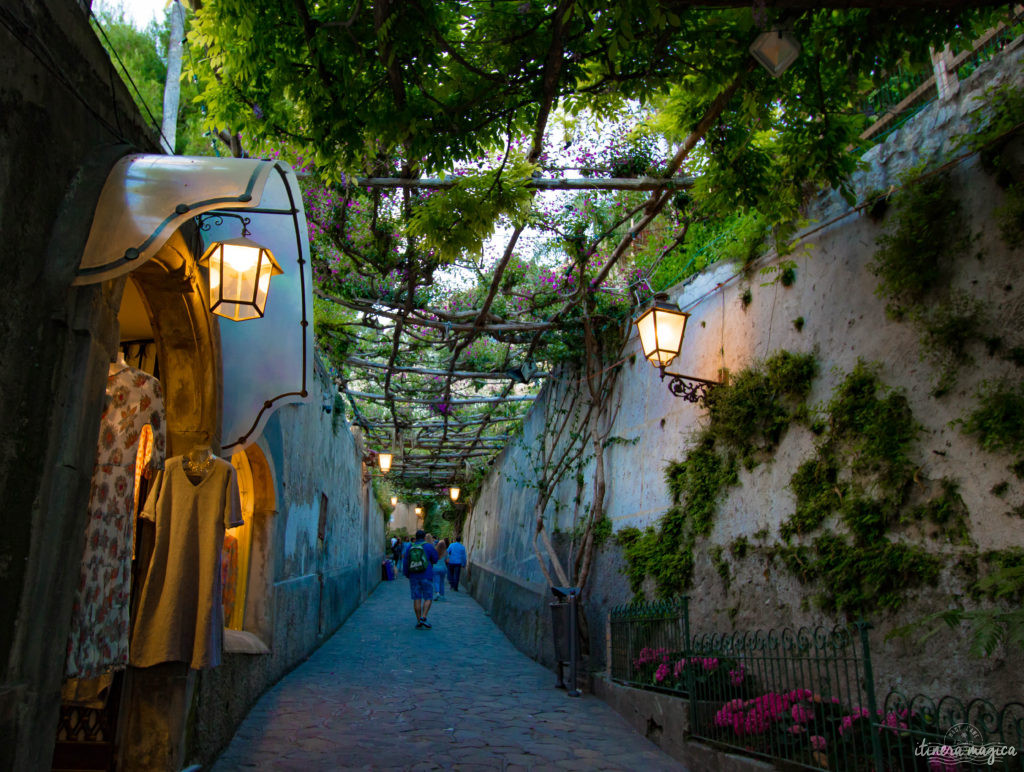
(820,731)
(710,675)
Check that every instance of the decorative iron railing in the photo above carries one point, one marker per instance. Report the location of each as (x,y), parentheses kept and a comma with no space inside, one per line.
(785,694)
(806,698)
(646,636)
(948,734)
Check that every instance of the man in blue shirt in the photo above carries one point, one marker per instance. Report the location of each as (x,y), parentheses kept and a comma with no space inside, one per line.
(456,560)
(418,565)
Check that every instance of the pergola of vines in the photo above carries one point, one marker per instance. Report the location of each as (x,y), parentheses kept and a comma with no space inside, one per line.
(410,379)
(450,279)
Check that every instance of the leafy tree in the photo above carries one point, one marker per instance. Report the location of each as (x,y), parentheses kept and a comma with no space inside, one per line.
(140,58)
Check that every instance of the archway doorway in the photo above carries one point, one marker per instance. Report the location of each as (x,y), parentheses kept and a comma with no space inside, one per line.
(167,337)
(248,574)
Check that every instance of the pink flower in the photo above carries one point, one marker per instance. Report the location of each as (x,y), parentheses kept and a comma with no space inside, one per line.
(796,729)
(892,720)
(818,742)
(802,714)
(737,675)
(846,722)
(661,673)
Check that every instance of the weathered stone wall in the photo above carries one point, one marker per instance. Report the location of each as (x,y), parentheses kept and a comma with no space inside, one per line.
(844,321)
(65,119)
(315,585)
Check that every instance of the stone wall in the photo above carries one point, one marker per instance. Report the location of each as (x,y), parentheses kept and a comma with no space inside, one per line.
(844,321)
(65,118)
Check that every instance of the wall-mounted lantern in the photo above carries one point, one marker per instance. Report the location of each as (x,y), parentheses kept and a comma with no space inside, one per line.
(454,493)
(661,326)
(240,271)
(419,511)
(394,501)
(384,459)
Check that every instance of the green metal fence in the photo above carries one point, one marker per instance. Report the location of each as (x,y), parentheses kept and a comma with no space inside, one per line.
(949,734)
(789,695)
(646,638)
(997,43)
(805,698)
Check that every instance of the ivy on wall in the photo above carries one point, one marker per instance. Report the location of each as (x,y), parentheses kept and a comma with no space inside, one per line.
(862,478)
(866,531)
(747,419)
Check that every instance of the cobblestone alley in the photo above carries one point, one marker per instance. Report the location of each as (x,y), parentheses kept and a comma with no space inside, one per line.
(381,694)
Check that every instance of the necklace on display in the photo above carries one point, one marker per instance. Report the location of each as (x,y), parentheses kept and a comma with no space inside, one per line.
(198,460)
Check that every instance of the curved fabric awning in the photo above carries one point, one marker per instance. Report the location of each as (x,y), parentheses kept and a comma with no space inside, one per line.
(148,197)
(267,362)
(263,357)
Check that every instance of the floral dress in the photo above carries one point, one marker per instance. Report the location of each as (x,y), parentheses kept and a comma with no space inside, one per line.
(98,641)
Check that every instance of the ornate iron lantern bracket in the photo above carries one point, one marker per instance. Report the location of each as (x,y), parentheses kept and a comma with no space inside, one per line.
(690,388)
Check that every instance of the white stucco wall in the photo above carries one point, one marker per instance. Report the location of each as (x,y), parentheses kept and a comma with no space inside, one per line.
(844,321)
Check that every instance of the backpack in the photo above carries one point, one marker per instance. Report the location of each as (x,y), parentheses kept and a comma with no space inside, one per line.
(417,559)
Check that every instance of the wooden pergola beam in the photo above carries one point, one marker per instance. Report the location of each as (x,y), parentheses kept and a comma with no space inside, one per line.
(460,401)
(436,424)
(456,374)
(538,183)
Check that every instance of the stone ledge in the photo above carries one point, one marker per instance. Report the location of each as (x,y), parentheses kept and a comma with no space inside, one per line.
(664,720)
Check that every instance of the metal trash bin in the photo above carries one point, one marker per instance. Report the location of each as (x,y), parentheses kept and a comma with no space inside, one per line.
(560,629)
(566,634)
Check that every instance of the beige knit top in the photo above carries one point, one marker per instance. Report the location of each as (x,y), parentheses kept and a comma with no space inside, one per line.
(180,616)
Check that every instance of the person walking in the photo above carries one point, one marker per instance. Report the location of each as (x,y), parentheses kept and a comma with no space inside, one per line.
(397,548)
(456,560)
(441,570)
(418,567)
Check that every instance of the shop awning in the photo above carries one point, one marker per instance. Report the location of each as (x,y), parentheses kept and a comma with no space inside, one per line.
(267,362)
(148,197)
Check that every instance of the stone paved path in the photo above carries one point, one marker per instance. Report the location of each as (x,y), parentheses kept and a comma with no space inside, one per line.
(381,694)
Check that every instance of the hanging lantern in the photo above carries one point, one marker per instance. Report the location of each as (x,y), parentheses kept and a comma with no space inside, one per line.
(661,326)
(419,511)
(394,501)
(776,50)
(240,271)
(454,493)
(384,459)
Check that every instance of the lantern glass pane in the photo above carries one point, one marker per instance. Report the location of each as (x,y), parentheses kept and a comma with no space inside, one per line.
(455,494)
(236,312)
(241,258)
(385,462)
(670,327)
(263,287)
(648,335)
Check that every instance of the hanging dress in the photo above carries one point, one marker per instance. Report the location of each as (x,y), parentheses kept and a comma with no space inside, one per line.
(98,639)
(181,613)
